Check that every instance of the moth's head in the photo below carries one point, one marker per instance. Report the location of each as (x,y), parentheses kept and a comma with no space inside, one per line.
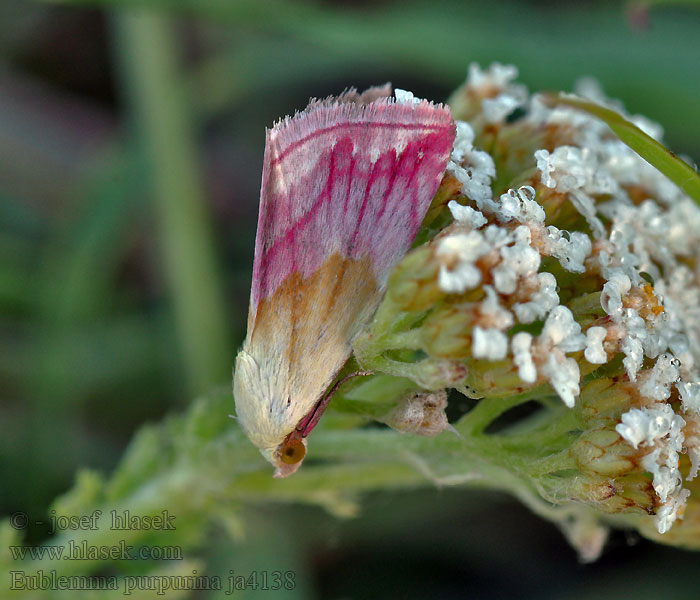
(270,430)
(287,457)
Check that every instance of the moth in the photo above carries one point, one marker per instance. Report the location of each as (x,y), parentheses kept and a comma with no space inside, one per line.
(345,186)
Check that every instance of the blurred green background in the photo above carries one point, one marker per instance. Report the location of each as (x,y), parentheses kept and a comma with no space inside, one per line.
(131,141)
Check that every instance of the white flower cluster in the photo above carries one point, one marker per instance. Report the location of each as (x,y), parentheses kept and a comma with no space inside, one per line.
(660,429)
(489,341)
(405,97)
(513,244)
(573,170)
(655,236)
(506,95)
(515,266)
(473,168)
(640,228)
(637,338)
(560,334)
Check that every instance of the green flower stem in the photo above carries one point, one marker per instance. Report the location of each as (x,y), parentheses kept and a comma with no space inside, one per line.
(368,350)
(421,372)
(370,397)
(371,346)
(201,465)
(560,461)
(404,340)
(547,429)
(147,51)
(487,410)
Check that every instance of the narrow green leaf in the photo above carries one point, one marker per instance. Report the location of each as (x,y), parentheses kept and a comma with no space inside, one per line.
(147,49)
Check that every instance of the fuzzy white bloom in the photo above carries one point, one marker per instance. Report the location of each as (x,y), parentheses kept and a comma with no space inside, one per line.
(490,344)
(517,260)
(639,236)
(405,97)
(639,338)
(662,463)
(683,227)
(473,168)
(500,95)
(590,89)
(561,334)
(659,428)
(564,376)
(498,236)
(459,251)
(678,326)
(522,357)
(565,169)
(541,302)
(496,109)
(694,456)
(520,205)
(646,425)
(466,215)
(633,343)
(669,511)
(574,170)
(493,313)
(464,142)
(571,249)
(594,352)
(690,396)
(656,383)
(497,75)
(456,281)
(692,444)
(611,299)
(505,279)
(561,330)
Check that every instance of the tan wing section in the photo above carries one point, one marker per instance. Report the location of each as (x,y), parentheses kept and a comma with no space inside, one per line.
(300,340)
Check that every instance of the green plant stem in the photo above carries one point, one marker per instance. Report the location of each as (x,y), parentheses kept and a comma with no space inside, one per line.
(485,412)
(147,51)
(547,429)
(209,467)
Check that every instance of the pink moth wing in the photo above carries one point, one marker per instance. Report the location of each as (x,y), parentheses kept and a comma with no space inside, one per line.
(345,186)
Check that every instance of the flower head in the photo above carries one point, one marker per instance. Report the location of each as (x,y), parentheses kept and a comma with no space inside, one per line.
(562,265)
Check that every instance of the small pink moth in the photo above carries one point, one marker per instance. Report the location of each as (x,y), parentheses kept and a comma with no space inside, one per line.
(345,186)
